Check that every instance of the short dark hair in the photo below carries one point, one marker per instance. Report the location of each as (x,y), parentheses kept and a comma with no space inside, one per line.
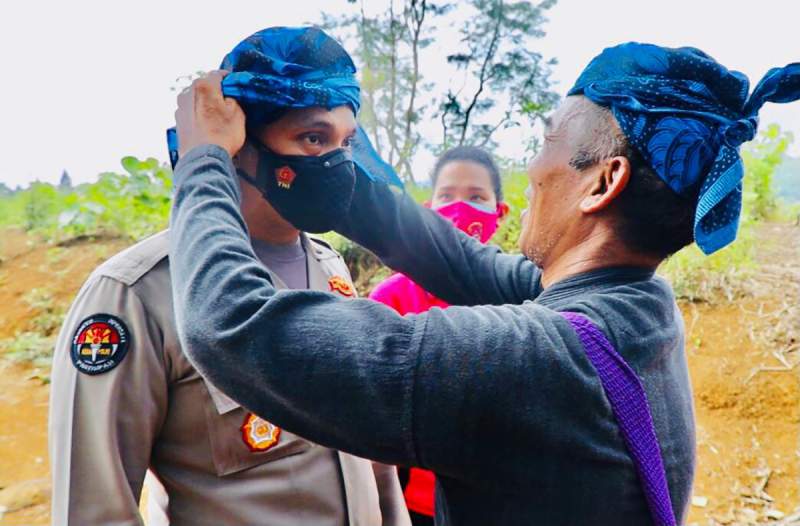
(471,154)
(653,218)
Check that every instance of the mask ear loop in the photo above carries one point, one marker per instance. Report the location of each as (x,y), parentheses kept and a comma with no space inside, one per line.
(253,181)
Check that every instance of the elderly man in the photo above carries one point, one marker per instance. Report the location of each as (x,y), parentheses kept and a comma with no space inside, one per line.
(561,396)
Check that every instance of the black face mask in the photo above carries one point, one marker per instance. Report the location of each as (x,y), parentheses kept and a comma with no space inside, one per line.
(312,193)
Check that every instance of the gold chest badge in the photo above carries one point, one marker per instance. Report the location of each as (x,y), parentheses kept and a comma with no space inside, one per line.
(342,286)
(258,434)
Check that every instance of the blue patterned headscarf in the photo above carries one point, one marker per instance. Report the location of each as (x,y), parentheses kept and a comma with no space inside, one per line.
(687,115)
(289,67)
(281,68)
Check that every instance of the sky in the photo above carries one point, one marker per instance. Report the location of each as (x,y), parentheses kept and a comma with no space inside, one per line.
(85,83)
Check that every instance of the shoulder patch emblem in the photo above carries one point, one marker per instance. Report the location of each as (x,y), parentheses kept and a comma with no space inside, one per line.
(258,434)
(100,343)
(342,286)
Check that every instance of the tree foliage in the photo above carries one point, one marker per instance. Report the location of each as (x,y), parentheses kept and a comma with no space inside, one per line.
(65,183)
(387,47)
(506,80)
(498,80)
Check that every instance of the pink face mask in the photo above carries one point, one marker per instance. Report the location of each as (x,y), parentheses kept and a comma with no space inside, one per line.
(475,220)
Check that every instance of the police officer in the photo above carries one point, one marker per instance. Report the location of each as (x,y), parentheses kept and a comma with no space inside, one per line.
(126,399)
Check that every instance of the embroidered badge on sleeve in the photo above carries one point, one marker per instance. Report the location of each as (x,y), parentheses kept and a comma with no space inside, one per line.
(342,286)
(100,343)
(258,434)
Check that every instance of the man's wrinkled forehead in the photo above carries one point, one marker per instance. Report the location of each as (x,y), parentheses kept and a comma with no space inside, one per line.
(567,114)
(578,120)
(569,120)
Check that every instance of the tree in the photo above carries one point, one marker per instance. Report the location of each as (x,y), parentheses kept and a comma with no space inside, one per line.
(387,48)
(500,68)
(65,183)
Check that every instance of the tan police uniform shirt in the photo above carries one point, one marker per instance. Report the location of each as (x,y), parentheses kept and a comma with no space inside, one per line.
(138,403)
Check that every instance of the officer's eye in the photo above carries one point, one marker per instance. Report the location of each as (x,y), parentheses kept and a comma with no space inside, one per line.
(314,139)
(348,142)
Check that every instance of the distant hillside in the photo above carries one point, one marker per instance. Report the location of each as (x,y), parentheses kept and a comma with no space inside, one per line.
(787,180)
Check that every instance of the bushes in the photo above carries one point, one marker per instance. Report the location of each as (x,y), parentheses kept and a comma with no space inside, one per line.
(514,185)
(762,158)
(695,276)
(133,205)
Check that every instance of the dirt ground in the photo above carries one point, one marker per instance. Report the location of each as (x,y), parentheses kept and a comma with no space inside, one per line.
(741,353)
(743,358)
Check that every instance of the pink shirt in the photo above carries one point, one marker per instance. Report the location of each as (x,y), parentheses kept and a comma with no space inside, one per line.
(405,296)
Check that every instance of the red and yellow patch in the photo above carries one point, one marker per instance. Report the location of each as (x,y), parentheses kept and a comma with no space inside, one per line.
(342,286)
(258,434)
(285,177)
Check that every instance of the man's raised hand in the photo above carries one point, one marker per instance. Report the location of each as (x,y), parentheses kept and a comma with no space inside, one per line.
(204,116)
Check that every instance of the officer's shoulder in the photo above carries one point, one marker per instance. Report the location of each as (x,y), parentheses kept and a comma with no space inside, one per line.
(322,249)
(133,263)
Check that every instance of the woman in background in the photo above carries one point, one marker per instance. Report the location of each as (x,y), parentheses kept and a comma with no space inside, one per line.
(467,190)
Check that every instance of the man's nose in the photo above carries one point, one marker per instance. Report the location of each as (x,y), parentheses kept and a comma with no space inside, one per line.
(329,149)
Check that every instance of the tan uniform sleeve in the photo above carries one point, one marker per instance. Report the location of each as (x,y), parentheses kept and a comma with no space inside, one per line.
(102,426)
(392,502)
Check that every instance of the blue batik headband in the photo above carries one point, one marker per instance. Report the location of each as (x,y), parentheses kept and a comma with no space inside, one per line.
(280,68)
(687,115)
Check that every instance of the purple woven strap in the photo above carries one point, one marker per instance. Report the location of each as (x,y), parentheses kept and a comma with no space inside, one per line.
(629,403)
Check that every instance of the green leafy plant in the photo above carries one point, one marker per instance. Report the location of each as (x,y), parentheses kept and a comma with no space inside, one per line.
(133,204)
(761,159)
(29,347)
(49,315)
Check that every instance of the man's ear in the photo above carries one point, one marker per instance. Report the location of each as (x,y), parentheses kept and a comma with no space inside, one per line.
(609,181)
(427,204)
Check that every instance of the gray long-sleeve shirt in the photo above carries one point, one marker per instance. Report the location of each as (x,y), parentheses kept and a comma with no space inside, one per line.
(498,399)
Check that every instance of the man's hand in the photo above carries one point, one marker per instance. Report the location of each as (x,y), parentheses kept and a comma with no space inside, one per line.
(204,116)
